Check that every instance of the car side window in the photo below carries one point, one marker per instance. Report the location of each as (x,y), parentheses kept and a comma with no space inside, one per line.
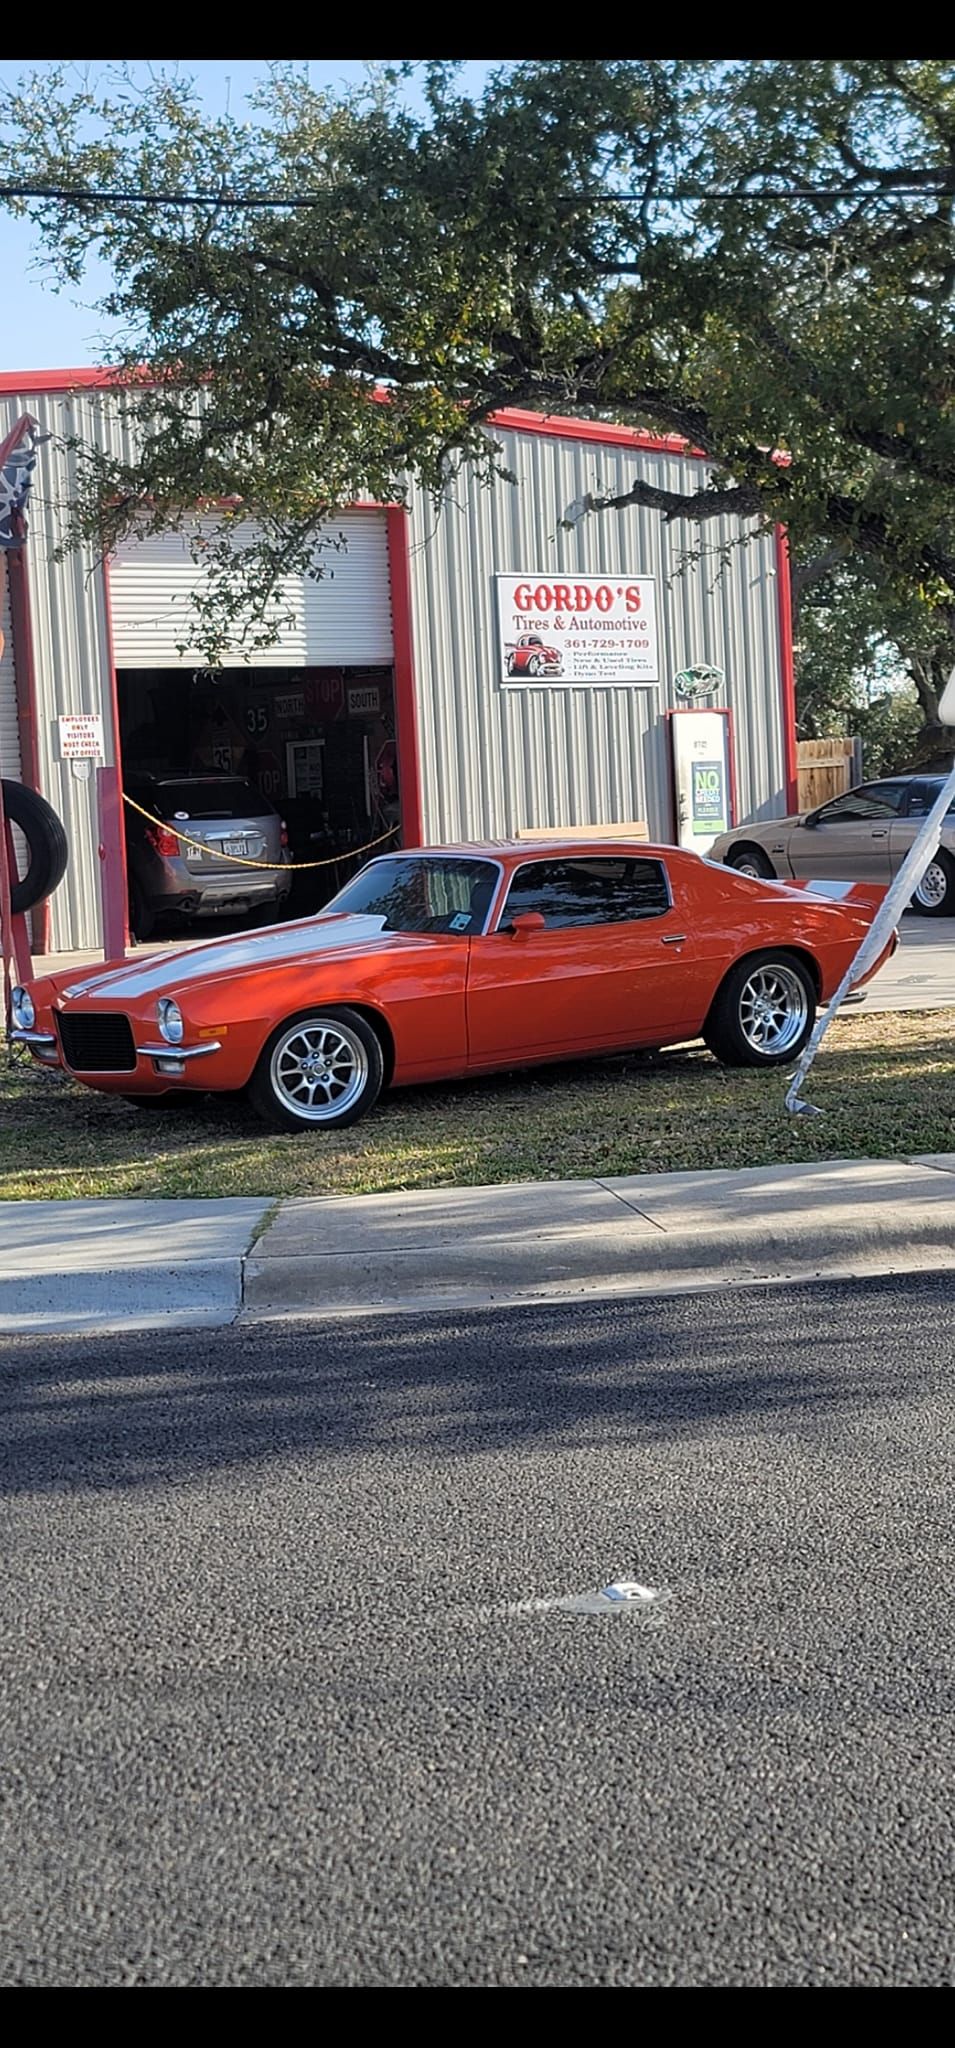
(922,795)
(871,800)
(614,890)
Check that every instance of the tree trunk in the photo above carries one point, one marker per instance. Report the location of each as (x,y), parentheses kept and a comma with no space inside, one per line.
(935,745)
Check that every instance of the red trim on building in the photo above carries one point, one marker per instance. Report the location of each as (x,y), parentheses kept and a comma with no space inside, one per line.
(24,669)
(787,662)
(557,425)
(406,702)
(59,380)
(604,431)
(112,847)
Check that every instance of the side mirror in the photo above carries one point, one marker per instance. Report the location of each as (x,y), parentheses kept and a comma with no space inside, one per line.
(810,821)
(524,923)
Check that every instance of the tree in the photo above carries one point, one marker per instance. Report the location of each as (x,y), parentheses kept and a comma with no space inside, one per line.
(757,256)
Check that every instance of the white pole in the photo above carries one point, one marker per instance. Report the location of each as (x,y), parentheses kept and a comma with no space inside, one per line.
(887,916)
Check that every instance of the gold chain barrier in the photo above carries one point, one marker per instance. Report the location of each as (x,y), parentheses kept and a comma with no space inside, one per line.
(241,860)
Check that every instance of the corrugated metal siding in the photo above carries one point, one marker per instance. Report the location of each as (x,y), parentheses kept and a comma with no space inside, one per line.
(493,760)
(69,627)
(340,615)
(9,722)
(496,760)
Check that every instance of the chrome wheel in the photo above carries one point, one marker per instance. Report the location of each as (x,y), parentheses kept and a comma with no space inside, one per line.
(933,887)
(318,1070)
(773,1009)
(748,867)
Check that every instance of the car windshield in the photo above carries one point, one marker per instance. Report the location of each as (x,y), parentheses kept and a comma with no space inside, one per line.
(436,894)
(194,797)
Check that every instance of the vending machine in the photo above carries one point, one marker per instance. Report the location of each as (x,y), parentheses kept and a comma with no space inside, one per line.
(704,782)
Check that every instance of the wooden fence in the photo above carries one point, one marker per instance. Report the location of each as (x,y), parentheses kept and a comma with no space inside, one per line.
(826,768)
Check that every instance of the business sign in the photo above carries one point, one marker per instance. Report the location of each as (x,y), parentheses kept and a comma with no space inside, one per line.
(708,806)
(698,684)
(81,737)
(577,631)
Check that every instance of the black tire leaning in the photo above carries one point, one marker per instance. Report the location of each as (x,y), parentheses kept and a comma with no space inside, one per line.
(276,1113)
(944,905)
(723,1031)
(751,857)
(47,845)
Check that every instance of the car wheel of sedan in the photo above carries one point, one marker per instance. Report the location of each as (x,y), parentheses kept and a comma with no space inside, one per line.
(935,895)
(748,860)
(763,1013)
(318,1071)
(511,665)
(533,666)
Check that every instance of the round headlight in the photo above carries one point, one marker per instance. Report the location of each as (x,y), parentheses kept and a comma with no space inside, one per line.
(22,1010)
(170,1021)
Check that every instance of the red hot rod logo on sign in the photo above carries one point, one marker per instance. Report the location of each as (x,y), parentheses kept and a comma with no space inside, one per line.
(555,630)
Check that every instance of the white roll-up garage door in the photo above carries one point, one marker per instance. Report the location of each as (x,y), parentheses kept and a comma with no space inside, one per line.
(9,722)
(340,618)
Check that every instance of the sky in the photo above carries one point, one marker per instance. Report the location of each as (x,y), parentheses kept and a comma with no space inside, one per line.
(48,330)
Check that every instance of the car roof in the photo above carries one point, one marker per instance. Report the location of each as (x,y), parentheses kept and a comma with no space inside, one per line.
(541,849)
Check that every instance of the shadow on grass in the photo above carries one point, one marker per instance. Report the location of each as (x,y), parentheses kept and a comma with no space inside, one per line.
(121,1413)
(673,1110)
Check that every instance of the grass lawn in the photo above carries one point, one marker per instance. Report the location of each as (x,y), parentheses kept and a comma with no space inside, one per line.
(886,1083)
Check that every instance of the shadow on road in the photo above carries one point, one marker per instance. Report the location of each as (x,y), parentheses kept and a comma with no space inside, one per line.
(117,1413)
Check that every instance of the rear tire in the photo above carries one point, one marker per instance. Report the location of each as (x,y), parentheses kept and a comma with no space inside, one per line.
(763,1013)
(750,860)
(935,895)
(319,1071)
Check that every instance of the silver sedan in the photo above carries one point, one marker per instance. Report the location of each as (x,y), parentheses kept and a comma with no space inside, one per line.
(861,836)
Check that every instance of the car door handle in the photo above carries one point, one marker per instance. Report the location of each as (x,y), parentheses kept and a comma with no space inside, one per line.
(881,835)
(677,939)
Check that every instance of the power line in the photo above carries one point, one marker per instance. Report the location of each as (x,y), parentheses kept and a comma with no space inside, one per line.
(941,185)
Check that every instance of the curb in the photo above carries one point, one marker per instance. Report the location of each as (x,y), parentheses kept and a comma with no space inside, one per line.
(127,1298)
(528,1274)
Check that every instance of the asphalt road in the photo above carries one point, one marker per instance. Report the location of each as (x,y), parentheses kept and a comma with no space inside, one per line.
(272,1712)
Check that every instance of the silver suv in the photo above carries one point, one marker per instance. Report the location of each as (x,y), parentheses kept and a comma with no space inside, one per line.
(229,822)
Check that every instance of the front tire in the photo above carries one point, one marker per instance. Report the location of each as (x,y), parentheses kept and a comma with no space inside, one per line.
(750,860)
(320,1070)
(763,1013)
(935,895)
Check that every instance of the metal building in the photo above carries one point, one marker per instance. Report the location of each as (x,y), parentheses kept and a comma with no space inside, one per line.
(403,676)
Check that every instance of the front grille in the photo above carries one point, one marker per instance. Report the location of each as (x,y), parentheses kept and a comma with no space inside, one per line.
(97,1043)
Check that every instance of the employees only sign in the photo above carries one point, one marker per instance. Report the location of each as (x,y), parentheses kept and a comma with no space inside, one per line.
(583,631)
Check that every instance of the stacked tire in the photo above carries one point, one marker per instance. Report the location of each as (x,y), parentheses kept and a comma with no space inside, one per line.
(46,844)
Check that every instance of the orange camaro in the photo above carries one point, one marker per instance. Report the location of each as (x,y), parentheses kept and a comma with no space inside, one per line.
(459,960)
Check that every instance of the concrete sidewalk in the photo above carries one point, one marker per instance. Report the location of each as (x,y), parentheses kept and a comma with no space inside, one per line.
(66,1267)
(127,1266)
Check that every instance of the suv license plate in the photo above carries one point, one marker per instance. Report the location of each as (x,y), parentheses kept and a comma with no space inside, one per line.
(239,846)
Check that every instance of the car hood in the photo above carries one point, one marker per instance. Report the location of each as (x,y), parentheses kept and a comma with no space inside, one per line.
(763,826)
(283,945)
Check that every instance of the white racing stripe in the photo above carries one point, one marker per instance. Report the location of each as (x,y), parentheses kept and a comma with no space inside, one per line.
(228,956)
